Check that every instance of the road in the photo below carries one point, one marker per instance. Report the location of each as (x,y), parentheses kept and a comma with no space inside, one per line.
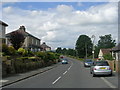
(72,75)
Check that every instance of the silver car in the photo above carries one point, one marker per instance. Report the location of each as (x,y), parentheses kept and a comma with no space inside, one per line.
(100,68)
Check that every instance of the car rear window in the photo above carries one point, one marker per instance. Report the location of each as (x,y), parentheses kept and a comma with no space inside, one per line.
(88,60)
(101,64)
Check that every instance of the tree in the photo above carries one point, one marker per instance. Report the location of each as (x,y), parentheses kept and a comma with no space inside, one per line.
(71,52)
(84,46)
(106,42)
(59,50)
(64,51)
(17,39)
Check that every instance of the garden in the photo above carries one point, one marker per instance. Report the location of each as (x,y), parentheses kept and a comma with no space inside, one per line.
(22,60)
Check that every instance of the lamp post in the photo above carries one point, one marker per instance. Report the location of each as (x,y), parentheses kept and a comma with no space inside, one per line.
(93,49)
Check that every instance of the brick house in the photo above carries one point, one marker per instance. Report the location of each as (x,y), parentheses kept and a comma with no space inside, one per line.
(31,42)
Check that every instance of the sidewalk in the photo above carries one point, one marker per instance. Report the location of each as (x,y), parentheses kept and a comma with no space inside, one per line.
(113,79)
(19,77)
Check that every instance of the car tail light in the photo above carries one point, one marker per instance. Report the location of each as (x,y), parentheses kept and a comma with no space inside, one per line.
(109,68)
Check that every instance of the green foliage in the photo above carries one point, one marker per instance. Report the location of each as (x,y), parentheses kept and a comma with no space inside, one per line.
(108,56)
(42,55)
(59,50)
(30,53)
(12,50)
(22,51)
(106,42)
(8,50)
(84,44)
(5,49)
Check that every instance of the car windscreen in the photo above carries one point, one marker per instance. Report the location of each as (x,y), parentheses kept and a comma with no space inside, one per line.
(101,64)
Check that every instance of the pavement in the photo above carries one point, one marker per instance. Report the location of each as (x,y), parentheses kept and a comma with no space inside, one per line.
(22,76)
(71,75)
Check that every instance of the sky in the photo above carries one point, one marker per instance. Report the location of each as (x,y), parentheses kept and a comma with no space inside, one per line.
(59,24)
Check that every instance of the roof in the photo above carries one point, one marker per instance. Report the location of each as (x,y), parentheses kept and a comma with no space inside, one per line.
(2,23)
(22,30)
(106,51)
(117,48)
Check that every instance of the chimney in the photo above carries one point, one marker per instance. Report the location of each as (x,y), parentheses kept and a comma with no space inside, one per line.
(22,28)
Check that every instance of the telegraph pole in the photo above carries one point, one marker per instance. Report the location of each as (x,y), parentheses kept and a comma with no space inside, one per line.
(93,50)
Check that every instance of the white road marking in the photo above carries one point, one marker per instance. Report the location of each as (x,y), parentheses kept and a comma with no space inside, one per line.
(70,66)
(108,83)
(56,80)
(64,72)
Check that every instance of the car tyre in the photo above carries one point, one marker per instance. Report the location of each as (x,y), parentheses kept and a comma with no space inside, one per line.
(90,72)
(111,74)
(94,75)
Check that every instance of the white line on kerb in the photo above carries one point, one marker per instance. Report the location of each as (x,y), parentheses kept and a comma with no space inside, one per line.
(108,83)
(56,80)
(64,72)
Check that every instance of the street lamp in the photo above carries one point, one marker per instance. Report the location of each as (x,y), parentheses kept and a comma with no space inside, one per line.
(93,36)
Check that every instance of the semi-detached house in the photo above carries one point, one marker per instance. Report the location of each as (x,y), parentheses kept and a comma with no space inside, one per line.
(31,42)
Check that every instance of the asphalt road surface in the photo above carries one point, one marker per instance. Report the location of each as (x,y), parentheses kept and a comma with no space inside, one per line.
(71,75)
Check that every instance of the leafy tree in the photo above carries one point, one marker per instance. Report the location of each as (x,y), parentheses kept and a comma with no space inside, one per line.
(64,51)
(71,52)
(59,50)
(17,39)
(83,45)
(106,42)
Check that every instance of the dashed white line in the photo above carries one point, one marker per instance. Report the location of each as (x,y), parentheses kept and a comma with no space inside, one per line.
(64,72)
(108,83)
(56,80)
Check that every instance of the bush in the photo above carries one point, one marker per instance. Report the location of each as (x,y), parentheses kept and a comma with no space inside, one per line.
(12,50)
(5,49)
(42,55)
(22,51)
(30,53)
(108,57)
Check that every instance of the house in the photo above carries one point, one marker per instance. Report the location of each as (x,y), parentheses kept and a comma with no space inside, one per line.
(31,42)
(45,47)
(2,32)
(103,52)
(116,52)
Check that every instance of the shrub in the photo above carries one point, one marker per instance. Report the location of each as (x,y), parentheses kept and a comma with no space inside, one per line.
(22,51)
(5,49)
(108,57)
(12,50)
(42,55)
(30,53)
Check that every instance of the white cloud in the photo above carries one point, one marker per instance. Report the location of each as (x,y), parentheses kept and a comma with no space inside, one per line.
(62,25)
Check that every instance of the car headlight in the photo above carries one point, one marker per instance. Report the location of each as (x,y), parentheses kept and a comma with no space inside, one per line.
(86,63)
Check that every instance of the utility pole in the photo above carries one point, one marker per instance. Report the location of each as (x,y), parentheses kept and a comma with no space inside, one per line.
(93,51)
(86,49)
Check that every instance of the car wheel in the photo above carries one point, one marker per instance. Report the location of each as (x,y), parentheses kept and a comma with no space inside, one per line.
(110,74)
(90,72)
(94,75)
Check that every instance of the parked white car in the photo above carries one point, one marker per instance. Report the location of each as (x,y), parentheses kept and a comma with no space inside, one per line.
(100,68)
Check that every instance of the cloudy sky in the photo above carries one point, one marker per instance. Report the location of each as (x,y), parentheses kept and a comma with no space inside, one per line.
(60,24)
